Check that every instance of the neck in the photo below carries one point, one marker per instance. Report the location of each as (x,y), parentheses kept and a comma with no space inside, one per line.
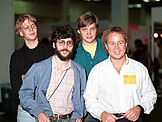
(118,63)
(32,44)
(61,64)
(88,44)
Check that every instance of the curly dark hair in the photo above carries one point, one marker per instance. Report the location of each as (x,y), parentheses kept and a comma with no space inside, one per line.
(62,32)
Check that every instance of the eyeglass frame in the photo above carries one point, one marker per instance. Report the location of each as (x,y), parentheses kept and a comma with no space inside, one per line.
(29,27)
(62,43)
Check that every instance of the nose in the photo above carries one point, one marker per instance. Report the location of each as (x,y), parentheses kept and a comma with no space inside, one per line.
(116,46)
(65,45)
(30,28)
(89,31)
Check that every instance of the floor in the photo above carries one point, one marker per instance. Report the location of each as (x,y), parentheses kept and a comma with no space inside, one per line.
(155,116)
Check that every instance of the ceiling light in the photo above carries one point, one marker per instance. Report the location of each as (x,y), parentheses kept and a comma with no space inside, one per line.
(135,6)
(146,0)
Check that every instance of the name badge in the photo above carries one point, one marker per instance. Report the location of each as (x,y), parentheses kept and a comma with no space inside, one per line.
(129,79)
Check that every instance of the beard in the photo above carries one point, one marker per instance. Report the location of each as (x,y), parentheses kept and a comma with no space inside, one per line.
(63,58)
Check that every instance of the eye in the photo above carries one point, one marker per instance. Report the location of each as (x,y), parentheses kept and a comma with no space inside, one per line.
(83,29)
(111,43)
(26,27)
(70,43)
(33,26)
(94,28)
(121,42)
(61,42)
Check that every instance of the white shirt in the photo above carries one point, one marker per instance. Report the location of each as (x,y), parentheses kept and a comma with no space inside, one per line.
(108,91)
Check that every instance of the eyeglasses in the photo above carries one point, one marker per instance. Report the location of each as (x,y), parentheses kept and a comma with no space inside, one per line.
(31,27)
(62,43)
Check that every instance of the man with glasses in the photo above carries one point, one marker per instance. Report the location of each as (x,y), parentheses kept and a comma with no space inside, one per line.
(52,90)
(89,50)
(22,59)
(119,89)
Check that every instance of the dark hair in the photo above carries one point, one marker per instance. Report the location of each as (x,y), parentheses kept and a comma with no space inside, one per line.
(87,19)
(138,43)
(21,19)
(62,32)
(112,30)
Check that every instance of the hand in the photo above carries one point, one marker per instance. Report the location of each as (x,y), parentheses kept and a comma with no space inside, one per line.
(108,117)
(78,120)
(133,113)
(43,118)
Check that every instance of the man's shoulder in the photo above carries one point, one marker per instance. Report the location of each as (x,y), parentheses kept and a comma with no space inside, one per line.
(99,40)
(45,47)
(135,63)
(76,65)
(101,64)
(45,61)
(18,52)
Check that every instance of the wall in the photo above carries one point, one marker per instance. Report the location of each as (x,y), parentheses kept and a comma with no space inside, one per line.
(6,38)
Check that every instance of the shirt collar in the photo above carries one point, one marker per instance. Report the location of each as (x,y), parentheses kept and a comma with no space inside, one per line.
(55,65)
(127,59)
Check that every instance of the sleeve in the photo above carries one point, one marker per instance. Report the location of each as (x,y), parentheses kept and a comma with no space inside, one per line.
(15,73)
(148,93)
(27,91)
(91,95)
(83,86)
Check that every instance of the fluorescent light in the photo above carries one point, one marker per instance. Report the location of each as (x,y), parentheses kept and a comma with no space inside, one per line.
(146,0)
(135,6)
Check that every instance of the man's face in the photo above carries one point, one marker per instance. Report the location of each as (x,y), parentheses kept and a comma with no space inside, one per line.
(28,30)
(88,34)
(116,46)
(64,48)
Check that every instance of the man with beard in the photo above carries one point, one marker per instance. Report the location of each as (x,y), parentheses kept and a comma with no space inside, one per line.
(52,90)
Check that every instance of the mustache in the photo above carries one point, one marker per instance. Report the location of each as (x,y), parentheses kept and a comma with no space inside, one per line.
(65,50)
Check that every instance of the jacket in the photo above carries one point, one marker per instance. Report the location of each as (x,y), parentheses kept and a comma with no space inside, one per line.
(32,93)
(84,58)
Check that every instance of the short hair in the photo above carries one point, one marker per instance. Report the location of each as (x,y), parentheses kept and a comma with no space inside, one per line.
(138,43)
(62,32)
(112,30)
(21,19)
(87,19)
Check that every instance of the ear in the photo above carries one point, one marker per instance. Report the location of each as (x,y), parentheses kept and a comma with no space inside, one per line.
(106,46)
(53,45)
(126,44)
(21,34)
(78,31)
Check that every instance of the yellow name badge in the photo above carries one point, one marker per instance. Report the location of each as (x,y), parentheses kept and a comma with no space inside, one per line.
(129,79)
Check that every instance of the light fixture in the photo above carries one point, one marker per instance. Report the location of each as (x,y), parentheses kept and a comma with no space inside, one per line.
(155,35)
(134,6)
(146,0)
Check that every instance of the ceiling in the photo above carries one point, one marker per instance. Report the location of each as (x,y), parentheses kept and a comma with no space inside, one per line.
(147,4)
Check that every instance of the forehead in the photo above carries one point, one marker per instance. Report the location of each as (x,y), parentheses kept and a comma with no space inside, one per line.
(90,25)
(66,39)
(27,22)
(115,36)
